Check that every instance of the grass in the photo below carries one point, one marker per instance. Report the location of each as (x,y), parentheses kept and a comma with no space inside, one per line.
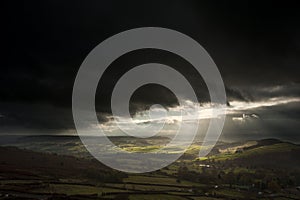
(229,193)
(205,198)
(71,189)
(152,180)
(243,170)
(144,187)
(4,182)
(171,169)
(142,149)
(156,197)
(157,180)
(281,147)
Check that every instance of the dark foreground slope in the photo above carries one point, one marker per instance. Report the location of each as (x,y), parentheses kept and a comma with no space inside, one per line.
(17,163)
(31,175)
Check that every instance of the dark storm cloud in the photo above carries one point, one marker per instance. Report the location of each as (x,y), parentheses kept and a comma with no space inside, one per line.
(236,94)
(287,90)
(34,118)
(256,46)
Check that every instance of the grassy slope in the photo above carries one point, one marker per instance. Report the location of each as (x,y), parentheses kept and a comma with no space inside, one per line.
(275,148)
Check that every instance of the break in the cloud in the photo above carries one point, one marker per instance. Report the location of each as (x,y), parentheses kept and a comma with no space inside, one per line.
(244,106)
(206,110)
(238,112)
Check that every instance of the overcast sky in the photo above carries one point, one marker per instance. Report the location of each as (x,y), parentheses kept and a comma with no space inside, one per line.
(256,47)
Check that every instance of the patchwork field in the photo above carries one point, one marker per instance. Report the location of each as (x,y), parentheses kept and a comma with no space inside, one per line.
(60,170)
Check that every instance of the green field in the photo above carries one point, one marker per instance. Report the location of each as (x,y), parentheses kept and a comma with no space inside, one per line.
(281,147)
(58,169)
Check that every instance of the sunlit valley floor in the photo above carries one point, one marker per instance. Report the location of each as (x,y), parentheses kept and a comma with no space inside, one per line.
(59,167)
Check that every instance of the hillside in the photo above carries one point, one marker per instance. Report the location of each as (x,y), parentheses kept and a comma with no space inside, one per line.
(240,170)
(17,164)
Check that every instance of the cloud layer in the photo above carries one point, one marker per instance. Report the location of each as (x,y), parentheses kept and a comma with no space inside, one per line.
(256,48)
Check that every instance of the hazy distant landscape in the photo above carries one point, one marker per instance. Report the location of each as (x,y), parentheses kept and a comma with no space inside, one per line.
(59,167)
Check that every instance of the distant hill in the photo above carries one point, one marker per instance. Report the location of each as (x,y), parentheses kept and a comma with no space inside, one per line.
(72,145)
(255,152)
(271,153)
